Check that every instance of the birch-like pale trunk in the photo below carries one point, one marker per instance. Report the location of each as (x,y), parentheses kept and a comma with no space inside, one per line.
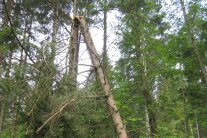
(114,112)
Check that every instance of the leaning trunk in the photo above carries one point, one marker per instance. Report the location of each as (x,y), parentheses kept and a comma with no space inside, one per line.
(121,131)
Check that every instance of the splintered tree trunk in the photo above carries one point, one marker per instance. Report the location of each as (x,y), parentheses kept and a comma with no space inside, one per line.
(74,49)
(102,78)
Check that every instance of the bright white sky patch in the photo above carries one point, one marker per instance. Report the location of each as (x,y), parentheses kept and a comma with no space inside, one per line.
(97,36)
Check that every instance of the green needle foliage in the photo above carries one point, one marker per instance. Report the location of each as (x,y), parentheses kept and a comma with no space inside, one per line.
(159,82)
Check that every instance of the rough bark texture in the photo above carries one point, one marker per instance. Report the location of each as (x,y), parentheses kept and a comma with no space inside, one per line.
(102,78)
(74,49)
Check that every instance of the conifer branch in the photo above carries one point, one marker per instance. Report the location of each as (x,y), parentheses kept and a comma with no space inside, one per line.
(13,32)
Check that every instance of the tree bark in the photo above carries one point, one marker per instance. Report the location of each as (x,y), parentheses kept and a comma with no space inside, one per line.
(197,127)
(8,5)
(55,30)
(152,120)
(2,115)
(148,98)
(147,123)
(9,64)
(74,49)
(102,78)
(105,57)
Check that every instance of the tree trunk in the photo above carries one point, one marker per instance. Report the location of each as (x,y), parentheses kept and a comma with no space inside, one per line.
(192,39)
(8,5)
(14,119)
(147,123)
(121,131)
(55,30)
(197,127)
(148,98)
(2,115)
(9,65)
(74,49)
(152,120)
(105,57)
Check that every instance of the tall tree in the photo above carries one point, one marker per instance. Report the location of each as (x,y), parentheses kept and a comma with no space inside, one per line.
(74,49)
(139,48)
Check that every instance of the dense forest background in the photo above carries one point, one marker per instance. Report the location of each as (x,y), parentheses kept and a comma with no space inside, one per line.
(159,82)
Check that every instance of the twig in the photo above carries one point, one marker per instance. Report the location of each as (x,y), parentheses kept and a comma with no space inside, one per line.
(12,29)
(55,114)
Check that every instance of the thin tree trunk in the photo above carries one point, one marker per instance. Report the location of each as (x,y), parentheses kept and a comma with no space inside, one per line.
(191,129)
(74,49)
(2,115)
(192,39)
(9,65)
(55,30)
(148,98)
(121,131)
(197,127)
(29,35)
(152,120)
(8,5)
(147,123)
(105,57)
(186,128)
(14,119)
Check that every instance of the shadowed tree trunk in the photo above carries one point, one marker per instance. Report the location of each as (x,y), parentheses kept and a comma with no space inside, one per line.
(74,49)
(55,30)
(2,115)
